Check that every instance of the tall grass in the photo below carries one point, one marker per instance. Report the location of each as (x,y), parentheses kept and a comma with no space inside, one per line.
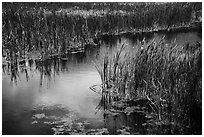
(168,76)
(55,28)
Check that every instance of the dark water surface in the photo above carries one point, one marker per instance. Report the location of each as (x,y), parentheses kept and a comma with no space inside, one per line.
(54,96)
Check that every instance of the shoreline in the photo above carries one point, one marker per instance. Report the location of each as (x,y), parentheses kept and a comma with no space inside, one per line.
(194,26)
(186,28)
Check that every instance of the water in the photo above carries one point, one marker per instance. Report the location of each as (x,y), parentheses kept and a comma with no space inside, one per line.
(54,96)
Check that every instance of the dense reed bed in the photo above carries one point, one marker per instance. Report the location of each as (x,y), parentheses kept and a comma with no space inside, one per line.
(167,77)
(41,30)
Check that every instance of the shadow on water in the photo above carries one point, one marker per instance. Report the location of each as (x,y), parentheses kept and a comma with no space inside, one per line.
(13,71)
(139,38)
(124,117)
(47,69)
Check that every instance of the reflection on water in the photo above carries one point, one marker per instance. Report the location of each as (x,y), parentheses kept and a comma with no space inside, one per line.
(53,97)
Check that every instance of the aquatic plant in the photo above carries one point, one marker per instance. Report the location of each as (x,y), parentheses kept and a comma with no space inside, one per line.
(168,76)
(54,28)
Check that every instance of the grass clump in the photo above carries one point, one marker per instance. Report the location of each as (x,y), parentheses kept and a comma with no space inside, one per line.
(168,76)
(57,28)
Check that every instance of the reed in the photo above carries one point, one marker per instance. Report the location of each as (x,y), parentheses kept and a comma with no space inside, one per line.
(55,28)
(168,76)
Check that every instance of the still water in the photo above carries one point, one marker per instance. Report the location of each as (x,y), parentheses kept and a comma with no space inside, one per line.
(54,97)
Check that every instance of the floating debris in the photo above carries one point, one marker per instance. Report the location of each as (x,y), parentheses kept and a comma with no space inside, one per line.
(39,116)
(47,122)
(124,131)
(102,131)
(34,122)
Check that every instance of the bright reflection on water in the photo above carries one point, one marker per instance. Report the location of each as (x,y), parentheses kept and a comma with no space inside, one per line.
(54,96)
(56,84)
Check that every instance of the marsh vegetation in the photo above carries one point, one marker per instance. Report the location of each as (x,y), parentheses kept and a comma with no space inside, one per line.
(136,66)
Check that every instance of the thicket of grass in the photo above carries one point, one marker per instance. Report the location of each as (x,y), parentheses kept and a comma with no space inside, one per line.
(168,76)
(54,28)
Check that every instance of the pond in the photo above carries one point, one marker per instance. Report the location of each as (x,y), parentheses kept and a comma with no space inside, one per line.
(53,97)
